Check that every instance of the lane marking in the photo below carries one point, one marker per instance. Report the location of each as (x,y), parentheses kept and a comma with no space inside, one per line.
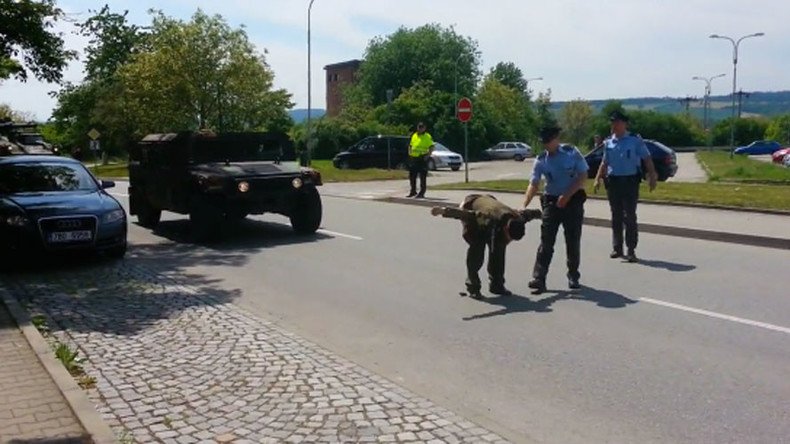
(713,314)
(334,233)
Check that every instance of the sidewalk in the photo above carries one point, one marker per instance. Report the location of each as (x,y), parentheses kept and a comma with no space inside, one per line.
(32,407)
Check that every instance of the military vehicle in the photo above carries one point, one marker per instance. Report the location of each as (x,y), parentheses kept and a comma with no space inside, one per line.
(218,178)
(14,140)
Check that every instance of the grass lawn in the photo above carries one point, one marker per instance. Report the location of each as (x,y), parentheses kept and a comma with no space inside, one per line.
(741,168)
(756,196)
(328,172)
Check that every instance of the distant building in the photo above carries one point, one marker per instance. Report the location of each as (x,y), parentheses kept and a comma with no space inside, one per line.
(337,76)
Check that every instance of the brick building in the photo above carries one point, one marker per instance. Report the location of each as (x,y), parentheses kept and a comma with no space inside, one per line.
(337,76)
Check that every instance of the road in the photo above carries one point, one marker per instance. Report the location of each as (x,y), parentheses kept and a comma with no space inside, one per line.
(691,345)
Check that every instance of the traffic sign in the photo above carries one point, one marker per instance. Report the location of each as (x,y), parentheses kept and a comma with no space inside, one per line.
(94,134)
(464,109)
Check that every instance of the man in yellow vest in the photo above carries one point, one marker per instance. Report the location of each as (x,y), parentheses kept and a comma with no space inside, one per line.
(420,149)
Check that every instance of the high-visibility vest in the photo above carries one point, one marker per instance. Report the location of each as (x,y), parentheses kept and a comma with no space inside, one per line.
(420,144)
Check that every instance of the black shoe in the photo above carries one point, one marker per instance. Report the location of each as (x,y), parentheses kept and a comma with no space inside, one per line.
(538,286)
(475,294)
(501,291)
(412,194)
(573,284)
(631,257)
(421,196)
(615,254)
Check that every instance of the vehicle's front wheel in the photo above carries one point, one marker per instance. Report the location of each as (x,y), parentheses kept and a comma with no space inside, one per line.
(455,168)
(206,222)
(431,164)
(344,165)
(117,252)
(518,158)
(147,215)
(306,215)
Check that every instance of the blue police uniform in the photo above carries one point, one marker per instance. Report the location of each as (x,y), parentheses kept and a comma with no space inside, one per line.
(560,170)
(623,157)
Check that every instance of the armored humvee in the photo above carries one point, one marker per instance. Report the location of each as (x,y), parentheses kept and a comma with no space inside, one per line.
(221,177)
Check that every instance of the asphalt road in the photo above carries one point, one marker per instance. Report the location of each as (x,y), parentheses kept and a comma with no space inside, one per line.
(691,345)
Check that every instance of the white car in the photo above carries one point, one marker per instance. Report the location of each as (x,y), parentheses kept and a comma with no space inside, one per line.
(786,161)
(443,157)
(508,150)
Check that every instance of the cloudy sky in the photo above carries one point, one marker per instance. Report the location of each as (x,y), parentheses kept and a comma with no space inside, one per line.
(582,49)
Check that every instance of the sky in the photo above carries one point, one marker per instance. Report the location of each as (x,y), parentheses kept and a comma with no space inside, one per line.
(582,49)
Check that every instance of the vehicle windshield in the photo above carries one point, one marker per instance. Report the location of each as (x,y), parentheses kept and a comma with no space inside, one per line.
(241,149)
(31,139)
(440,147)
(44,177)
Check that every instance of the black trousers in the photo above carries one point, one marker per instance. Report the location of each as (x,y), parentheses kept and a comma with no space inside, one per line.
(418,166)
(478,239)
(623,194)
(571,218)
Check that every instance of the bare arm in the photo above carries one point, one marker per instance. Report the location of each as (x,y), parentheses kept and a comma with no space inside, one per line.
(600,175)
(577,185)
(652,176)
(532,190)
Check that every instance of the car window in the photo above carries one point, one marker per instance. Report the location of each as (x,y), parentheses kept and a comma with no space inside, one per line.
(44,177)
(511,146)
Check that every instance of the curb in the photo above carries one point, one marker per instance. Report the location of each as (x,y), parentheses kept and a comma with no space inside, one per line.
(81,406)
(691,233)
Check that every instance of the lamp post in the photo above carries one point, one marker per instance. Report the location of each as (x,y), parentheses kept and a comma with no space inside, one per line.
(735,44)
(526,83)
(455,90)
(309,89)
(706,98)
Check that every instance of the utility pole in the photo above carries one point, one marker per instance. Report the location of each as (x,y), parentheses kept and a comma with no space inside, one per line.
(740,100)
(686,101)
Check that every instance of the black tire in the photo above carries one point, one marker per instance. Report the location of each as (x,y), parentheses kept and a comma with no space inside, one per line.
(455,168)
(518,158)
(147,215)
(344,165)
(306,215)
(117,252)
(431,164)
(206,223)
(235,216)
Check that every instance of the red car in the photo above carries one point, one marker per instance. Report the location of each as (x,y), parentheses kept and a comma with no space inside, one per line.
(779,155)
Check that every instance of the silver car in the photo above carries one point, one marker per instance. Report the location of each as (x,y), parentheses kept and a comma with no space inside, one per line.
(509,150)
(443,157)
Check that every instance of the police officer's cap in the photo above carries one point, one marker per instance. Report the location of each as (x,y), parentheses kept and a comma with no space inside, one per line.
(618,115)
(549,132)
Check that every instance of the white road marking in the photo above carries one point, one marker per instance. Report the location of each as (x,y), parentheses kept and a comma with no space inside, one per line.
(334,233)
(713,314)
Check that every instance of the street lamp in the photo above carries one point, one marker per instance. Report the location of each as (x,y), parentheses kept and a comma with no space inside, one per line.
(526,83)
(735,44)
(309,86)
(705,105)
(455,91)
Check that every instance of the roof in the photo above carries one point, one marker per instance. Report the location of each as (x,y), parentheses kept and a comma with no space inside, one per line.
(350,63)
(23,158)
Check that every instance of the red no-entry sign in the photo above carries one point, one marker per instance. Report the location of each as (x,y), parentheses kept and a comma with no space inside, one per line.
(464,109)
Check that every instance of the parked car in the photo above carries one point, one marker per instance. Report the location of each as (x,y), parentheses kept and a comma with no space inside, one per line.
(375,152)
(443,157)
(508,150)
(759,147)
(779,155)
(51,204)
(664,159)
(786,162)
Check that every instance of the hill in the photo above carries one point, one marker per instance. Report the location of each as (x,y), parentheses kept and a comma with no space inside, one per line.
(300,115)
(766,104)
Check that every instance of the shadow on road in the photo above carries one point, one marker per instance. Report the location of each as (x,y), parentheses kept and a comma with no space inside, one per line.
(520,304)
(671,266)
(75,440)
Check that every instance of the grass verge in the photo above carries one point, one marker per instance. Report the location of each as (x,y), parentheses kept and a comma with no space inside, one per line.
(741,169)
(737,195)
(111,170)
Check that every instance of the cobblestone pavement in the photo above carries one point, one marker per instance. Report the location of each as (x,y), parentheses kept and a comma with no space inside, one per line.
(31,407)
(181,364)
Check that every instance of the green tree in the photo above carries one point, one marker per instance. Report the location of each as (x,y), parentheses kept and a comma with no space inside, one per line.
(429,53)
(27,42)
(577,119)
(6,112)
(779,129)
(747,130)
(510,75)
(504,113)
(200,74)
(112,43)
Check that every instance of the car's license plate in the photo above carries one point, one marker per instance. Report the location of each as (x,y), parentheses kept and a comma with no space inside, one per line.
(70,236)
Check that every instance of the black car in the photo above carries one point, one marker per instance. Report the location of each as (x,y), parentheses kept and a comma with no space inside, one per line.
(221,177)
(52,204)
(375,152)
(664,159)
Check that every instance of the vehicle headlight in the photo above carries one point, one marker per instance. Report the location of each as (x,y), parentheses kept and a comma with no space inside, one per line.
(16,221)
(244,186)
(113,216)
(297,183)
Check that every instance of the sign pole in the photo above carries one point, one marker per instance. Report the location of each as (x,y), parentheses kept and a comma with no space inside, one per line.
(463,111)
(466,152)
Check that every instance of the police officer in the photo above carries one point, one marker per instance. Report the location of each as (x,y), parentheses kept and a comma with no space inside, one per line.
(623,156)
(486,221)
(420,148)
(565,171)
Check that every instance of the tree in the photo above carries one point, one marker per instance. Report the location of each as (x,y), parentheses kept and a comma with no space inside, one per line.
(576,120)
(6,112)
(429,53)
(200,74)
(510,75)
(27,42)
(747,130)
(779,129)
(504,113)
(112,43)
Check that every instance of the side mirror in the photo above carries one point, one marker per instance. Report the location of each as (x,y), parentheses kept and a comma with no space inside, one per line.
(107,184)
